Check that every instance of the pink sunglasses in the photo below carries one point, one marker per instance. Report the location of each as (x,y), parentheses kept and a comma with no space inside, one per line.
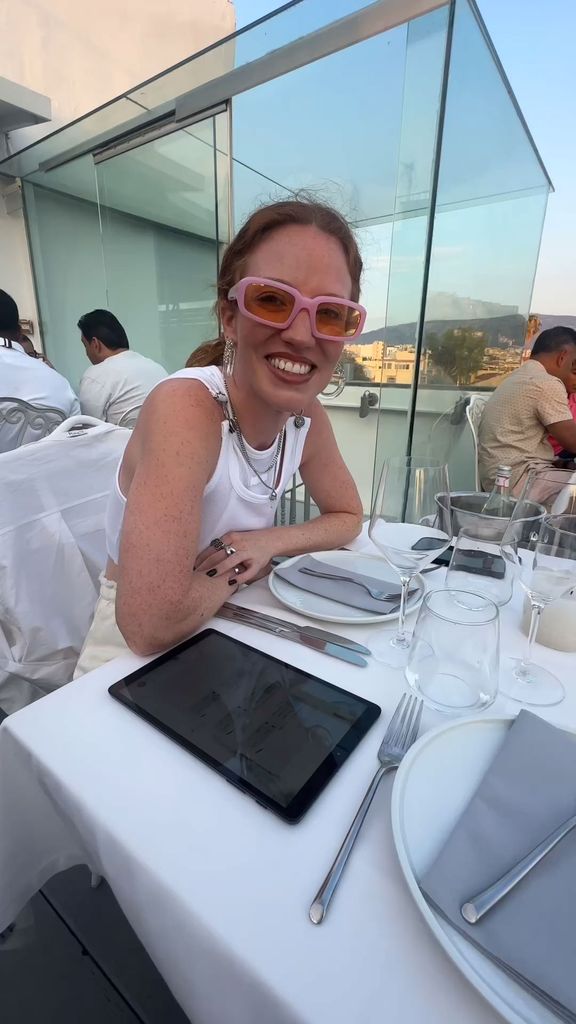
(277,305)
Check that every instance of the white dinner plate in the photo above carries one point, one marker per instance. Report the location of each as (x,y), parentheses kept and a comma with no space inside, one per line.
(433,786)
(314,606)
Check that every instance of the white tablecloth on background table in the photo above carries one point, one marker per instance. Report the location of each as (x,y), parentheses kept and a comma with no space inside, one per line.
(218,888)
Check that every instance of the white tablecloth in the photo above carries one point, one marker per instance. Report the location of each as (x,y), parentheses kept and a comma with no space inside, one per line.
(216,887)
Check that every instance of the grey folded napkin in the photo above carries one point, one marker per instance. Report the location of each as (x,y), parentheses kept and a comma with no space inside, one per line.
(338,590)
(527,792)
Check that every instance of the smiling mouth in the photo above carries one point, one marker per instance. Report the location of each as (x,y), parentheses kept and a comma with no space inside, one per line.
(299,368)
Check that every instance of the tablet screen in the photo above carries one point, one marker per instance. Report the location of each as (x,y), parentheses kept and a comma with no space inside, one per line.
(273,730)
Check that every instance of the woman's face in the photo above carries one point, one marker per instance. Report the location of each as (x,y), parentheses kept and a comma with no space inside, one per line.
(314,263)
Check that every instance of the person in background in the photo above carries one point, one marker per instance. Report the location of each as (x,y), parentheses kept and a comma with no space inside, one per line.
(191,514)
(28,346)
(119,380)
(29,380)
(529,405)
(559,451)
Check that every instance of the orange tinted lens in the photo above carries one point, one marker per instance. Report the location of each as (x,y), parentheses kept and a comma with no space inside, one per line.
(268,302)
(337,320)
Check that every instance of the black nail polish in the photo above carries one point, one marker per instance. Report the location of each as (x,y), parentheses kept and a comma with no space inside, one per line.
(211,572)
(232,583)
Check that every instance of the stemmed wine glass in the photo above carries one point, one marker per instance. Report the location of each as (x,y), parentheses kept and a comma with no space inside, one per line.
(546,491)
(549,577)
(411,527)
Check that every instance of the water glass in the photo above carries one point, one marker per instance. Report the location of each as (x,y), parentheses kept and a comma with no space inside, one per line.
(480,566)
(454,659)
(548,577)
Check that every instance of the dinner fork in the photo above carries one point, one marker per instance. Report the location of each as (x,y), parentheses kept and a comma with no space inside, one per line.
(399,736)
(377,595)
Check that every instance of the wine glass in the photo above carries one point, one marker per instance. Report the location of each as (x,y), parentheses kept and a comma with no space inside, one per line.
(411,528)
(550,577)
(546,491)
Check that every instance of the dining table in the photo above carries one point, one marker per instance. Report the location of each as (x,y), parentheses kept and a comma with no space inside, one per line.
(217,887)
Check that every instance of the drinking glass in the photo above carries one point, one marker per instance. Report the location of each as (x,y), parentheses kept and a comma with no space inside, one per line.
(546,578)
(481,566)
(410,528)
(547,491)
(454,658)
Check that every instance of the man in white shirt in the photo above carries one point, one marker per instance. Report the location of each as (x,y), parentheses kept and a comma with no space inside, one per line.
(119,380)
(29,380)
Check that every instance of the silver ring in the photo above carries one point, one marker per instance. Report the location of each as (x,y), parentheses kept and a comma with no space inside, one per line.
(229,550)
(217,544)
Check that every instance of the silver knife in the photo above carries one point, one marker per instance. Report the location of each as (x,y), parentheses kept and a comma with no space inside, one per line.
(319,634)
(333,650)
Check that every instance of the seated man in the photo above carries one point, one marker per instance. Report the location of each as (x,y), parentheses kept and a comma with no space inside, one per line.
(529,405)
(30,380)
(559,451)
(119,379)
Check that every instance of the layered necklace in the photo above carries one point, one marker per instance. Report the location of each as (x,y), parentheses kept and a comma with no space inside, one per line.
(234,427)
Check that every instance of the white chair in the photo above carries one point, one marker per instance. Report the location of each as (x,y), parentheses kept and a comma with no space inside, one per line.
(565,503)
(129,418)
(21,422)
(474,411)
(53,498)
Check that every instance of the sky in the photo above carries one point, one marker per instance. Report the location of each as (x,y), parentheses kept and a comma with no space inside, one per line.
(535,43)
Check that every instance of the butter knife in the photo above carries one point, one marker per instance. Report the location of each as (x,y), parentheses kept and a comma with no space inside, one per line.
(479,905)
(322,646)
(319,634)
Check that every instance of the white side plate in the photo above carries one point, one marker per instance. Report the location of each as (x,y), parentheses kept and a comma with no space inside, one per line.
(316,607)
(433,786)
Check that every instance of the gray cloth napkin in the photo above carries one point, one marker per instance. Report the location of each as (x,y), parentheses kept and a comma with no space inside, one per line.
(345,593)
(527,792)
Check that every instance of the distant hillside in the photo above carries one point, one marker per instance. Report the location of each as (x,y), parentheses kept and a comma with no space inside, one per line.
(499,330)
(512,327)
(551,320)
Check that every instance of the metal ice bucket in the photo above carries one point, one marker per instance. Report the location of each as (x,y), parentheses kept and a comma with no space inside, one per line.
(467,508)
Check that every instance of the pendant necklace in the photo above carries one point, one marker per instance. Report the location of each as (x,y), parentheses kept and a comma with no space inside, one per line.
(234,427)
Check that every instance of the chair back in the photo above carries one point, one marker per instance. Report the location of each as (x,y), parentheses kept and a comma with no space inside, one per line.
(128,419)
(53,500)
(474,411)
(21,423)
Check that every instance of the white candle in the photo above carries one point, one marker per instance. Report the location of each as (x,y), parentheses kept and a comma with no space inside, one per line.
(557,627)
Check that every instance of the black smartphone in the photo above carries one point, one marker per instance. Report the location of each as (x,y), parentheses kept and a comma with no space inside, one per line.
(430,544)
(481,563)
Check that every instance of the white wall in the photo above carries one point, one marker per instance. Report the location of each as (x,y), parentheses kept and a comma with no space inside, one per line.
(82,54)
(383,433)
(15,272)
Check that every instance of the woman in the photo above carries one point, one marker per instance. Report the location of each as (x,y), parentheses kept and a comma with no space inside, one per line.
(215,445)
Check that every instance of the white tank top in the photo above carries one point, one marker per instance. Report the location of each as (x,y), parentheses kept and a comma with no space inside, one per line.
(234,498)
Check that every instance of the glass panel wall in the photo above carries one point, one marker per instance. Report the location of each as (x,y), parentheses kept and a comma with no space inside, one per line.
(65,240)
(138,233)
(349,128)
(492,194)
(160,238)
(141,232)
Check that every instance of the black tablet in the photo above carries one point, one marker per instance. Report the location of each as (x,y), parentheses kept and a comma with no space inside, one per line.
(274,731)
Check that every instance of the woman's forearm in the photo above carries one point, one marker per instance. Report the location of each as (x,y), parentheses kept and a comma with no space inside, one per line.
(327,531)
(154,625)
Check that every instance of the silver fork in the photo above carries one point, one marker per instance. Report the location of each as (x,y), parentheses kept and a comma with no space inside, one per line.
(377,595)
(399,736)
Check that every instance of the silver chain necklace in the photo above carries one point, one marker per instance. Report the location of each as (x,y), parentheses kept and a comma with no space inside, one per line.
(235,429)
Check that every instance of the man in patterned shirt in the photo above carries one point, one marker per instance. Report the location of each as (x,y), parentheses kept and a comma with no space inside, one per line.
(528,406)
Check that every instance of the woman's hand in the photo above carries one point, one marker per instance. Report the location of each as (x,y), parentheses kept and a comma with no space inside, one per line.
(253,551)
